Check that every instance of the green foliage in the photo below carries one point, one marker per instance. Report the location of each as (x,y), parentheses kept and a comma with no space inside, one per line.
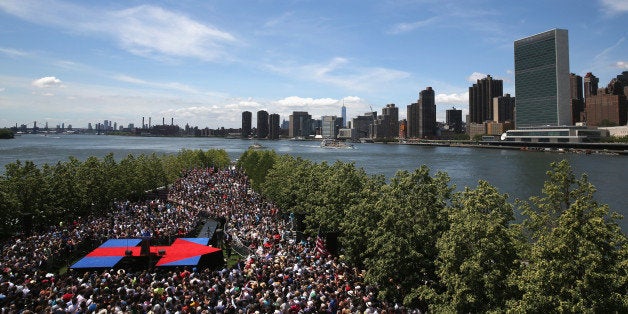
(615,139)
(357,227)
(56,193)
(6,134)
(402,252)
(477,255)
(256,165)
(289,182)
(577,257)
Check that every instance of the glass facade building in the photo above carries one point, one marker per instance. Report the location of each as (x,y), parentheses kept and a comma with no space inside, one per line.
(542,82)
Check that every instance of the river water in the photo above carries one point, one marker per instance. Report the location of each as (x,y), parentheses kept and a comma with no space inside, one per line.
(519,173)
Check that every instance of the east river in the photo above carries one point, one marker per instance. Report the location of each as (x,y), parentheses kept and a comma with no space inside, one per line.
(519,173)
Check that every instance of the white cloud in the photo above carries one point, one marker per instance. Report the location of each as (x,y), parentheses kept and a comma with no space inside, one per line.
(2,89)
(145,30)
(454,98)
(48,81)
(622,64)
(614,7)
(340,72)
(407,27)
(475,76)
(13,52)
(170,85)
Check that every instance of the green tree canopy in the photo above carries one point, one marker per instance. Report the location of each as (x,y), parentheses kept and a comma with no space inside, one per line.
(576,261)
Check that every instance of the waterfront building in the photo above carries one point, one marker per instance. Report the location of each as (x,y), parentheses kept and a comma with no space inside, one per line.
(481,96)
(454,119)
(609,106)
(503,109)
(577,97)
(247,121)
(403,129)
(623,80)
(542,79)
(556,134)
(330,126)
(476,129)
(300,124)
(262,124)
(590,85)
(362,124)
(386,126)
(422,115)
(273,126)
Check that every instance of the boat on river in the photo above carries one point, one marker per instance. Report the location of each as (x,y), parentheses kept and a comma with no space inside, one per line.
(332,143)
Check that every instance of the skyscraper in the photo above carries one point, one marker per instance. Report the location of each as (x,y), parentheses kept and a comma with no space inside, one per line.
(542,79)
(454,119)
(262,124)
(422,115)
(481,96)
(386,126)
(344,116)
(590,85)
(503,108)
(300,124)
(273,126)
(577,97)
(330,126)
(247,120)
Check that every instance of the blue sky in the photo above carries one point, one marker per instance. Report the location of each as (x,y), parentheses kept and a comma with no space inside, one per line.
(204,62)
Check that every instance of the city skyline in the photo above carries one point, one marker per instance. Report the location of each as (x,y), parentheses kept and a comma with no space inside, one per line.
(203,64)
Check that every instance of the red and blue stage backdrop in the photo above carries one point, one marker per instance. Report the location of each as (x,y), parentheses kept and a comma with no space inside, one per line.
(117,253)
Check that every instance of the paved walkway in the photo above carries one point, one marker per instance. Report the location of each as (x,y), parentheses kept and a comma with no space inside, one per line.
(209,228)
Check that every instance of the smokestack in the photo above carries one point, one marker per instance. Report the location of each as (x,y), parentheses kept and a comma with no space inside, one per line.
(149,121)
(171,121)
(163,121)
(143,125)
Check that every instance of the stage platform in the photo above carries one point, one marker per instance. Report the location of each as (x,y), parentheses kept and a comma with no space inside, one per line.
(138,253)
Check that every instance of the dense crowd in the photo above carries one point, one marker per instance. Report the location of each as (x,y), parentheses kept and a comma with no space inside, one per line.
(281,275)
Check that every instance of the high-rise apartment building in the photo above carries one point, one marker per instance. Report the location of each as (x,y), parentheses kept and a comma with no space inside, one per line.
(330,126)
(422,115)
(247,121)
(504,109)
(300,124)
(590,85)
(453,118)
(362,124)
(386,126)
(577,97)
(273,127)
(262,124)
(609,107)
(481,96)
(542,80)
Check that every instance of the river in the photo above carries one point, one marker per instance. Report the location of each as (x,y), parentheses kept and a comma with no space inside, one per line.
(519,173)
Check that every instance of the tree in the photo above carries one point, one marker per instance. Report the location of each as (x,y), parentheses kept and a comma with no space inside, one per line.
(477,255)
(360,219)
(578,254)
(339,187)
(256,165)
(25,182)
(403,244)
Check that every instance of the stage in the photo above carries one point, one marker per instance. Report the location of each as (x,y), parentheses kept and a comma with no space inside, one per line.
(140,254)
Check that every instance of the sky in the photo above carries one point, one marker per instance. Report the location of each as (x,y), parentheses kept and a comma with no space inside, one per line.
(203,63)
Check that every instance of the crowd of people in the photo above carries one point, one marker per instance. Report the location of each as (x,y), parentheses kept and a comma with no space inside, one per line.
(281,274)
